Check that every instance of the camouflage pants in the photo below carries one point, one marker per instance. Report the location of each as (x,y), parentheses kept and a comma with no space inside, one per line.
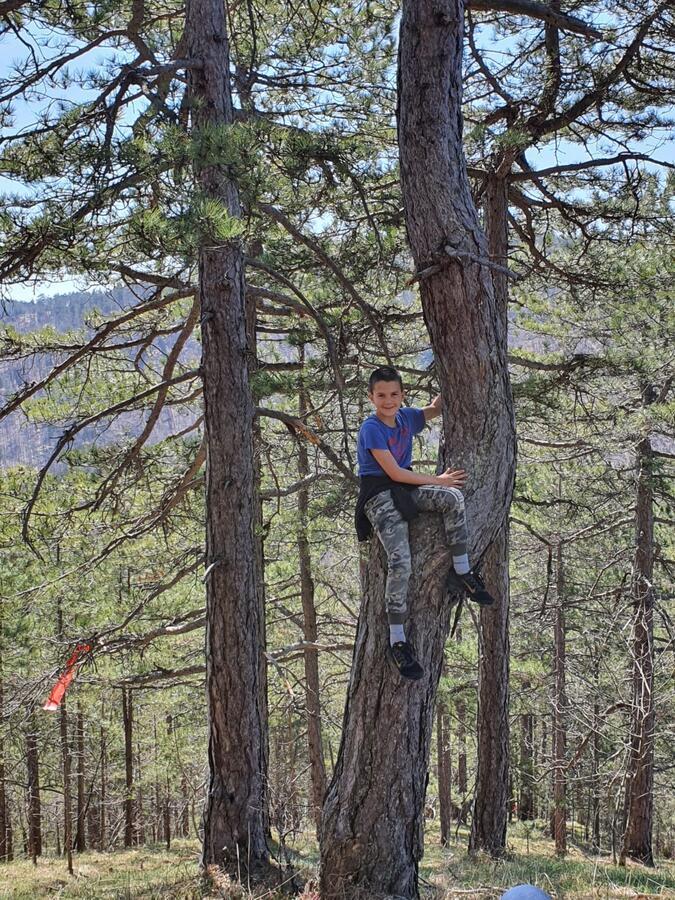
(392,530)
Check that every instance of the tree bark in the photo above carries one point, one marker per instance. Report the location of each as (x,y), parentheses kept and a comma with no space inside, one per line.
(103,794)
(462,768)
(34,805)
(167,814)
(235,817)
(4,808)
(596,757)
(526,804)
(185,809)
(488,826)
(66,764)
(80,839)
(372,825)
(559,818)
(129,812)
(372,836)
(490,809)
(310,633)
(637,839)
(139,811)
(4,811)
(444,770)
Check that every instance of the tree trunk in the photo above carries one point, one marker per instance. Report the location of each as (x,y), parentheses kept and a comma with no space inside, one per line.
(526,804)
(462,768)
(4,809)
(444,770)
(34,805)
(167,815)
(4,817)
(372,836)
(559,819)
(637,840)
(128,721)
(488,828)
(139,813)
(157,816)
(310,633)
(65,757)
(103,796)
(80,840)
(235,817)
(372,828)
(490,810)
(596,758)
(185,809)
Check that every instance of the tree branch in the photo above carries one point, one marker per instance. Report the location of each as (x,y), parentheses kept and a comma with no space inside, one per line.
(533,10)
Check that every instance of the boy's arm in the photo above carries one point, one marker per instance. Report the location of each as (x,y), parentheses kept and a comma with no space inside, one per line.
(449,478)
(434,409)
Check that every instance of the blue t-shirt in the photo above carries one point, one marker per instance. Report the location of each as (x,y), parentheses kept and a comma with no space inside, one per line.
(375,435)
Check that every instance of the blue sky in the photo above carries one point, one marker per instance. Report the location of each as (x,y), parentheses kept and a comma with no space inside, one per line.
(660,144)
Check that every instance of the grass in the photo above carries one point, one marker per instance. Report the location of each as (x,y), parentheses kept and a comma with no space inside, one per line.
(446,873)
(450,873)
(140,873)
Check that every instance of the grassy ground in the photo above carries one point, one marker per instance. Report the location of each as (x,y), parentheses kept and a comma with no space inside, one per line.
(446,874)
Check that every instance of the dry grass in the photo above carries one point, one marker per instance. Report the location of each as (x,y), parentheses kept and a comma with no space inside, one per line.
(446,874)
(450,874)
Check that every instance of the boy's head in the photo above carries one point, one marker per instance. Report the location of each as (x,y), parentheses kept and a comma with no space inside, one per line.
(385,390)
(384,373)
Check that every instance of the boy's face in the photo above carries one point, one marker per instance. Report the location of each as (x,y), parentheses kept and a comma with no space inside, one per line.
(386,397)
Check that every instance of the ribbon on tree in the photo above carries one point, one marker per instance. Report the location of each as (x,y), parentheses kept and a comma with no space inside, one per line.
(58,692)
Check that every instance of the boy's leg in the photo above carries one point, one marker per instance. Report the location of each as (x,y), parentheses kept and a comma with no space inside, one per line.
(392,530)
(450,502)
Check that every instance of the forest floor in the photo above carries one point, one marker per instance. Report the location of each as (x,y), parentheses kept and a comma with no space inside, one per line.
(446,873)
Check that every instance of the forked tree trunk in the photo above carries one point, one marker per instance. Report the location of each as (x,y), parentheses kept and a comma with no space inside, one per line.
(235,817)
(372,838)
(637,840)
(373,814)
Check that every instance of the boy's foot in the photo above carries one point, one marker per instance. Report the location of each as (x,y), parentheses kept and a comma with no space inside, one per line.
(404,660)
(472,585)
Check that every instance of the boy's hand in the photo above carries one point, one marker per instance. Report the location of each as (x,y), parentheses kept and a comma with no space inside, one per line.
(453,478)
(434,409)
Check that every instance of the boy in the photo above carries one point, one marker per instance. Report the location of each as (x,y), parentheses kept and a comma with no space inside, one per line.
(391,494)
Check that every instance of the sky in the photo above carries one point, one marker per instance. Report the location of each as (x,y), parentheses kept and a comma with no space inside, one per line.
(659,145)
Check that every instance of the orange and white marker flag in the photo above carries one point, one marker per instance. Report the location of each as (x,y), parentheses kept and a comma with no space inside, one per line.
(58,692)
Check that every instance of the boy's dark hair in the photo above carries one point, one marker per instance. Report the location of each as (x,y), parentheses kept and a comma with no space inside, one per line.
(384,373)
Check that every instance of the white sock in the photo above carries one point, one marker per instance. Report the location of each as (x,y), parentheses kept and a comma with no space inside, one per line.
(396,634)
(461,564)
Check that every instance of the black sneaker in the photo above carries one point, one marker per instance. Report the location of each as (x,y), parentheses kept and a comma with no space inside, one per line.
(472,585)
(404,660)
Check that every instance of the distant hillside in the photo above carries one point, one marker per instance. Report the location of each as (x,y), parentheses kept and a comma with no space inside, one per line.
(23,443)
